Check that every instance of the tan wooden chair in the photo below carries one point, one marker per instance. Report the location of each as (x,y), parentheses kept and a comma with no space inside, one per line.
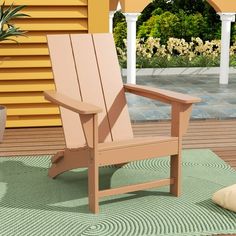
(95,116)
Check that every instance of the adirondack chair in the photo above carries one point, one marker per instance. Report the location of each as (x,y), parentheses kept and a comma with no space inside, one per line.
(95,118)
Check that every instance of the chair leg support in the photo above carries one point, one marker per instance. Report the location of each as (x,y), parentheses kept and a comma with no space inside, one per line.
(93,186)
(121,165)
(175,173)
(67,160)
(57,157)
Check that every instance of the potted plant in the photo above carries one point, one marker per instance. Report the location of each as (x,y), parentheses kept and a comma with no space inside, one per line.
(7,31)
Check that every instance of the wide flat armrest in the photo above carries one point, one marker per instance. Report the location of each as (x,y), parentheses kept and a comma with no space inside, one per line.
(82,108)
(162,95)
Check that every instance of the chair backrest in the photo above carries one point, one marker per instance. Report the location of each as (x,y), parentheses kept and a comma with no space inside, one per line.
(85,67)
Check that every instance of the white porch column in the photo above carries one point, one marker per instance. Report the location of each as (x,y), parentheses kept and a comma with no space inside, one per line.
(131,19)
(111,16)
(226,19)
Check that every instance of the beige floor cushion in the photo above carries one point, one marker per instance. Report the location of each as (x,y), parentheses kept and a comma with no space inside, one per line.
(226,197)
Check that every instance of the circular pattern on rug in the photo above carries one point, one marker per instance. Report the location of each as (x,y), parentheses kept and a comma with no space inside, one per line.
(33,204)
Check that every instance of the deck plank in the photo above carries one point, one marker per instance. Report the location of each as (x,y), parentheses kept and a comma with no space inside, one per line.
(218,135)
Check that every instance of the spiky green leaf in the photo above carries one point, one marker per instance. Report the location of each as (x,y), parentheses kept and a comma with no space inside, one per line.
(7,29)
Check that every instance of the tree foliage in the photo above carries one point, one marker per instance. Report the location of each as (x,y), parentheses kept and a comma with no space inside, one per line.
(120,33)
(161,26)
(176,18)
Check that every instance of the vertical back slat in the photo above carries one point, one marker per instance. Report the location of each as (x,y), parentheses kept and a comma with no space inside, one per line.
(117,110)
(89,80)
(66,83)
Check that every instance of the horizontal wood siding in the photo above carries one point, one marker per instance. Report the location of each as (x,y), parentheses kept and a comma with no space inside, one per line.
(25,68)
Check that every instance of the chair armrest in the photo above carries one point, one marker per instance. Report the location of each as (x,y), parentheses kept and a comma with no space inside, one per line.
(160,94)
(181,105)
(82,108)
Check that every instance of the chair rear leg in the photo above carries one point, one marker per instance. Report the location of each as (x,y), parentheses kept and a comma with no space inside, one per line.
(93,186)
(175,173)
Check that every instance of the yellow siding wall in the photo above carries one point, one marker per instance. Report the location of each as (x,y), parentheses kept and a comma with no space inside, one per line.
(25,70)
(98,15)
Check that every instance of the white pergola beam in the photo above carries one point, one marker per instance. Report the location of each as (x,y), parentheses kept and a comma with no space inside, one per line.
(111,16)
(226,19)
(131,19)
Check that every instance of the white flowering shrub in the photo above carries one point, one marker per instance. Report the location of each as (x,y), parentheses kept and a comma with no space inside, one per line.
(177,52)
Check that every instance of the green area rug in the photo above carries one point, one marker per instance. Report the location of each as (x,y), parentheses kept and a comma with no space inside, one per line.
(33,204)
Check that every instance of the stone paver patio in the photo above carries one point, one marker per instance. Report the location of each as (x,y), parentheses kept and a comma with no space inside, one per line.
(218,101)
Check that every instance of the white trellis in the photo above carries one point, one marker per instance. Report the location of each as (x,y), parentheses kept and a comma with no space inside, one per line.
(226,19)
(111,16)
(131,19)
(219,5)
(131,11)
(226,9)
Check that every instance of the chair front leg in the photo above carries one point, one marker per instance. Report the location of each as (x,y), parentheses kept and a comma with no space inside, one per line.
(93,185)
(93,168)
(180,115)
(175,173)
(179,124)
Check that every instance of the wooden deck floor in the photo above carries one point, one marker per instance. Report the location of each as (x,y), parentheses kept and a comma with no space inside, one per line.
(219,136)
